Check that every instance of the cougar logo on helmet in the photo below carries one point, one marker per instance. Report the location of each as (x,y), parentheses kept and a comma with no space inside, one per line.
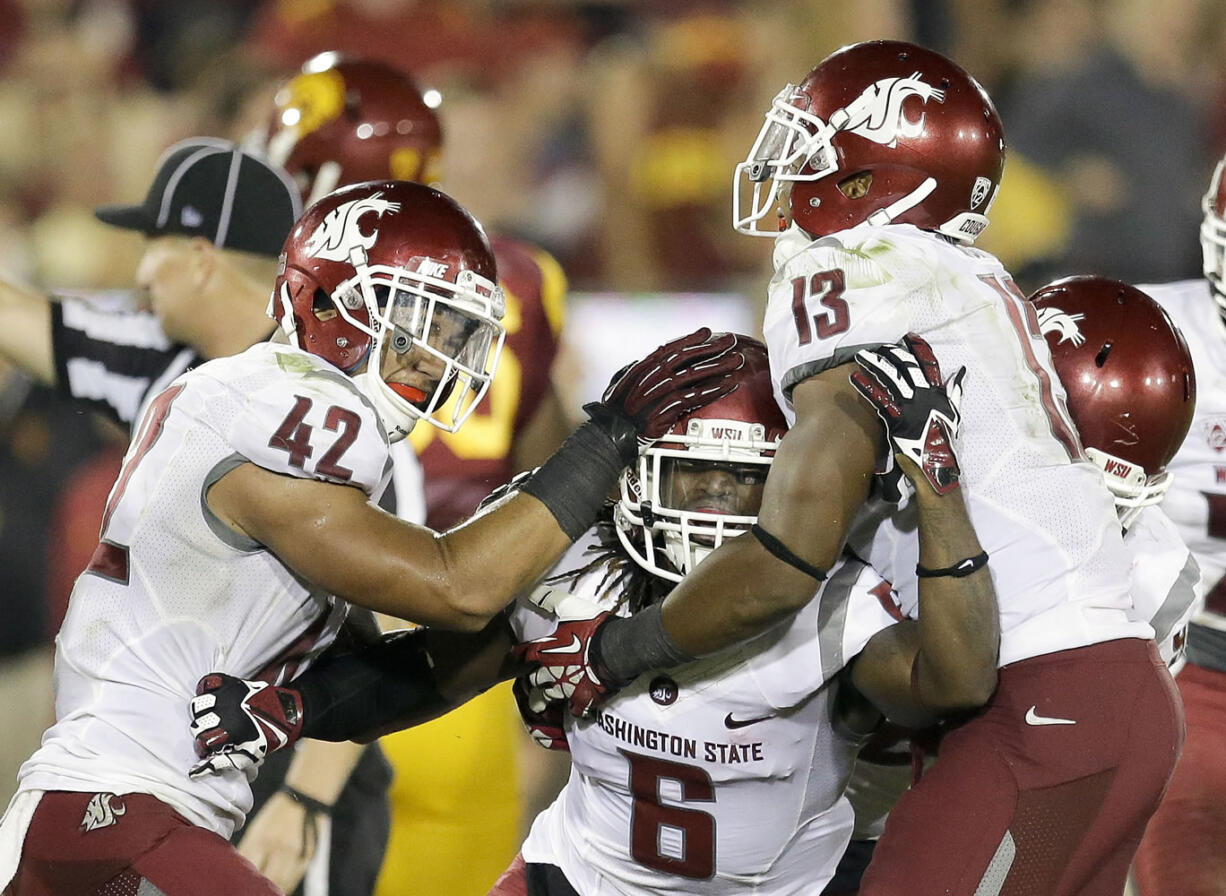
(1053,320)
(877,114)
(340,232)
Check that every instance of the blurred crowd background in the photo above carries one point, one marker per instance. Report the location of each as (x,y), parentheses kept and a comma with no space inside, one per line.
(605,131)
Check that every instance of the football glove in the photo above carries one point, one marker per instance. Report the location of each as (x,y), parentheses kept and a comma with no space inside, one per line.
(903,384)
(569,670)
(237,723)
(546,726)
(644,399)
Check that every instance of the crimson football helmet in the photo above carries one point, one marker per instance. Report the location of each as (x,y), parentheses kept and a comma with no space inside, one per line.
(1213,238)
(398,276)
(342,120)
(1129,377)
(881,131)
(733,439)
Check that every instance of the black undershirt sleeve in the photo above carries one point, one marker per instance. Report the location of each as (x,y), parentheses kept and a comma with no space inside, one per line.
(365,693)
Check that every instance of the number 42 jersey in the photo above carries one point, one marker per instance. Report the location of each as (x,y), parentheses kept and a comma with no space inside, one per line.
(1040,509)
(172,593)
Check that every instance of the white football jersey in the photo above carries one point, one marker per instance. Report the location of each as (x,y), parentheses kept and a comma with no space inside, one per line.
(1164,580)
(1166,585)
(720,776)
(1041,511)
(172,593)
(1196,500)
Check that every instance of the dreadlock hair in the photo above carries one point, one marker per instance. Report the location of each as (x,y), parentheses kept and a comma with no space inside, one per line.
(635,586)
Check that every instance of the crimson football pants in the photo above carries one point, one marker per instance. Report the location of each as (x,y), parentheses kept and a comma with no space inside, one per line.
(1183,852)
(524,879)
(138,846)
(1047,790)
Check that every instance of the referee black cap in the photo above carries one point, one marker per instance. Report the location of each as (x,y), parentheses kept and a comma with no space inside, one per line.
(218,190)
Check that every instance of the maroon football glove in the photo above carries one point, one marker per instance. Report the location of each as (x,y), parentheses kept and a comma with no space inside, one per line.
(237,723)
(568,659)
(646,398)
(546,726)
(903,384)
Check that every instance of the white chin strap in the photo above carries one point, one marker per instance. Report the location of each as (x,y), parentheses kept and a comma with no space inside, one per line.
(397,422)
(904,205)
(286,318)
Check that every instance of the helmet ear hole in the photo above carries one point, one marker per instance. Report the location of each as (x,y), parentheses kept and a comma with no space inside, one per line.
(856,186)
(1101,358)
(321,305)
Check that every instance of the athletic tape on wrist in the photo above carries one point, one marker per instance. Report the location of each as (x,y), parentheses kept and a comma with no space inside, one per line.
(626,647)
(576,480)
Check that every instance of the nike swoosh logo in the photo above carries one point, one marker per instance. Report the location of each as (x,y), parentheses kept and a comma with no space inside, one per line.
(1033,718)
(730,722)
(574,646)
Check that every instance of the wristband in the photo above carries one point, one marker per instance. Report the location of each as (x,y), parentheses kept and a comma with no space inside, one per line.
(959,570)
(780,551)
(576,480)
(309,803)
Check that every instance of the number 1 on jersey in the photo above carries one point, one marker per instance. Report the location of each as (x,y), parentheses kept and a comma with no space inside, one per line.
(1025,321)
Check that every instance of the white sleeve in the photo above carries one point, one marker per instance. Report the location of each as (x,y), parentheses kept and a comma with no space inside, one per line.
(1165,582)
(321,429)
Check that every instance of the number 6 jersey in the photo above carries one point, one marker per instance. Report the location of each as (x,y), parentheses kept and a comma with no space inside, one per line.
(720,776)
(1041,511)
(173,593)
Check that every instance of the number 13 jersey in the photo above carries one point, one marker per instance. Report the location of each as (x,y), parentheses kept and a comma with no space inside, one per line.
(1041,511)
(173,593)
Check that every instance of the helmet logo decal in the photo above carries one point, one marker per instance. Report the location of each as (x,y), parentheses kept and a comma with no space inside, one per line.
(311,100)
(431,268)
(1113,466)
(339,233)
(663,690)
(1053,320)
(877,113)
(979,191)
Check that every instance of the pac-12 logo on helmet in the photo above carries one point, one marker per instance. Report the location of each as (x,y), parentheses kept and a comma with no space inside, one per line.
(340,232)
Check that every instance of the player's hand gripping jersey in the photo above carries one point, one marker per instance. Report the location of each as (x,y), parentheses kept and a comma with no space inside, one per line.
(170,596)
(718,776)
(1044,516)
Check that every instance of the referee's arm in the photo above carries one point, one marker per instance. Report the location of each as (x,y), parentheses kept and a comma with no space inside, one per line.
(25,331)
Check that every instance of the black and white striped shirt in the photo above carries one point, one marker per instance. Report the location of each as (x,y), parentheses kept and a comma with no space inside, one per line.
(113,360)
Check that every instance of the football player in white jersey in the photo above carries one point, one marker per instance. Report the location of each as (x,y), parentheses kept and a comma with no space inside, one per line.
(715,776)
(1181,852)
(244,520)
(875,175)
(1131,393)
(1131,385)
